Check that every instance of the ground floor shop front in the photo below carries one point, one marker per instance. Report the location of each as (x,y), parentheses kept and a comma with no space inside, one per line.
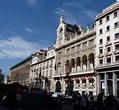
(81,83)
(108,80)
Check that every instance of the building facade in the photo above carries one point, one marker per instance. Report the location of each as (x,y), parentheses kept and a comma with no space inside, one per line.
(42,69)
(107,50)
(75,59)
(20,72)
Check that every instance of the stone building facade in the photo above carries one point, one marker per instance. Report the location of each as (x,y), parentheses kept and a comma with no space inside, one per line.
(107,50)
(75,59)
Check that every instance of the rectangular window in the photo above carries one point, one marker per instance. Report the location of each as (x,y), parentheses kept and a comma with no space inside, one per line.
(101,61)
(109,60)
(116,25)
(108,38)
(101,51)
(108,28)
(84,45)
(117,58)
(100,42)
(115,14)
(78,47)
(117,47)
(91,43)
(107,18)
(100,31)
(72,49)
(117,36)
(108,49)
(100,22)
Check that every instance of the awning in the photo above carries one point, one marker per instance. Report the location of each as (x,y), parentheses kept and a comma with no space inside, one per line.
(76,79)
(83,78)
(90,78)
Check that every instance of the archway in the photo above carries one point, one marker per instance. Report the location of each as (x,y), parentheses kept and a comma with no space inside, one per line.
(58,86)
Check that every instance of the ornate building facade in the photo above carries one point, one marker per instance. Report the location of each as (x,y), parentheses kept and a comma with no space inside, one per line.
(75,59)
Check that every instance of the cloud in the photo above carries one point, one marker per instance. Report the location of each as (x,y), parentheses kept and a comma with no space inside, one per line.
(76,13)
(28,30)
(69,16)
(32,2)
(17,47)
(91,14)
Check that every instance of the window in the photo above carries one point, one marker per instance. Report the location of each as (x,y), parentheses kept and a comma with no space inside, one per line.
(91,42)
(117,47)
(108,49)
(108,38)
(109,60)
(101,76)
(59,54)
(116,25)
(100,51)
(110,76)
(108,28)
(100,31)
(100,41)
(72,49)
(84,45)
(117,36)
(100,22)
(67,51)
(115,14)
(78,47)
(117,58)
(107,18)
(101,61)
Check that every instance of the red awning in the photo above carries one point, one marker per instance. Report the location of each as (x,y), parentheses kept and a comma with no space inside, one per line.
(76,79)
(90,78)
(83,78)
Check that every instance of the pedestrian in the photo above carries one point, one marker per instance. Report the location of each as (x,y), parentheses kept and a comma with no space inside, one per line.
(45,100)
(12,100)
(99,103)
(92,103)
(83,102)
(110,103)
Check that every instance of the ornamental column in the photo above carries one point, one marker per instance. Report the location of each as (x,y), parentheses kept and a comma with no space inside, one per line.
(81,64)
(87,68)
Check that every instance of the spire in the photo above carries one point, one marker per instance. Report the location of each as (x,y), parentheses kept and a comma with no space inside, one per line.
(61,18)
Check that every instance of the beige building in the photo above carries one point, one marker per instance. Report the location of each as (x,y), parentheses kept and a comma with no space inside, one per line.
(75,59)
(42,69)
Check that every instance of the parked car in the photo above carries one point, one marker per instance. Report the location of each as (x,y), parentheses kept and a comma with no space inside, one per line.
(55,100)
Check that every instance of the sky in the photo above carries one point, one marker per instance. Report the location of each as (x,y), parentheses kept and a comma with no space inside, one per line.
(26,26)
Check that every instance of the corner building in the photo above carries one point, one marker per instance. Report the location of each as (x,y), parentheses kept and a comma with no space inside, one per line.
(107,50)
(75,59)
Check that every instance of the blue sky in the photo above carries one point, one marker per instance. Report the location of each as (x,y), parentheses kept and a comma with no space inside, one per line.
(27,26)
